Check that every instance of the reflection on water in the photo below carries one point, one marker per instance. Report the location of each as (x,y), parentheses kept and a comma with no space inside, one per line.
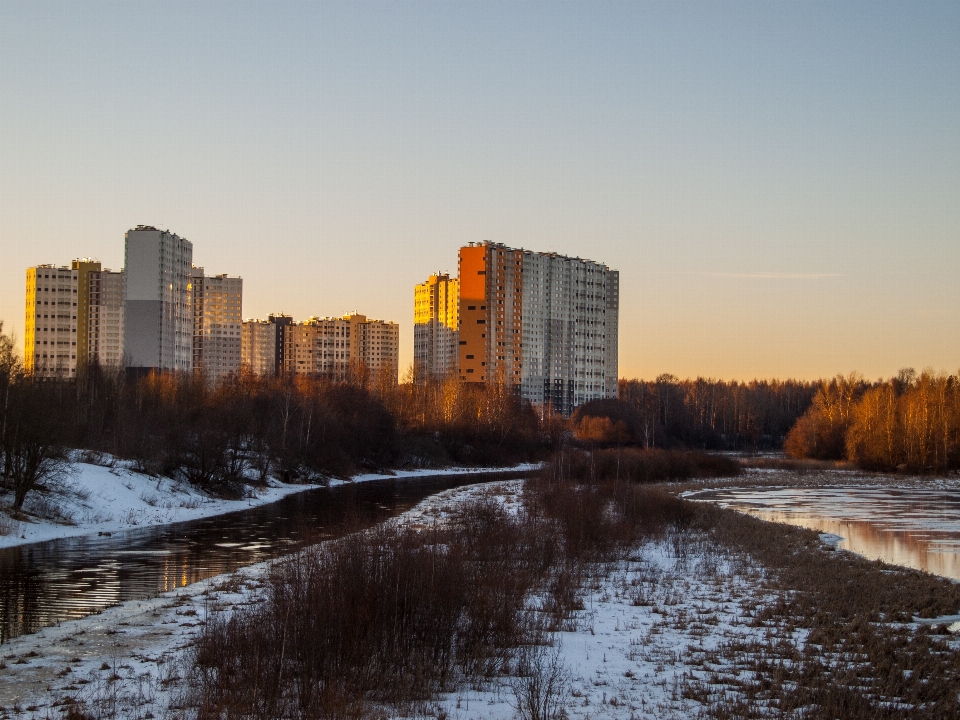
(911,527)
(45,583)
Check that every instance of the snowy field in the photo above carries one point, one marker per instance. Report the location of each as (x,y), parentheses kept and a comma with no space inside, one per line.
(668,632)
(91,499)
(649,629)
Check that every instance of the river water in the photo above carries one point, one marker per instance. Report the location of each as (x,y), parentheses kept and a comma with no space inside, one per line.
(46,583)
(912,527)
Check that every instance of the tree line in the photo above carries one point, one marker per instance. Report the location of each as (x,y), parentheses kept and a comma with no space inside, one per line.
(221,436)
(910,422)
(712,414)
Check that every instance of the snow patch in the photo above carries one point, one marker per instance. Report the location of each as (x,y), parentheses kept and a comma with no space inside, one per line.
(103,499)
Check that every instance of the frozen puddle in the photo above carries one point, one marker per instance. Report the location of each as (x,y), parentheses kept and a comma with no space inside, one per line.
(911,527)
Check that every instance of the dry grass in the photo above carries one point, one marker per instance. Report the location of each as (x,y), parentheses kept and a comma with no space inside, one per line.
(394,616)
(862,656)
(380,622)
(641,466)
(801,466)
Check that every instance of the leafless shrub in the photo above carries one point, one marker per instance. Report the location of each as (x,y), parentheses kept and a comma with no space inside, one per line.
(385,616)
(395,615)
(95,457)
(47,507)
(540,683)
(8,526)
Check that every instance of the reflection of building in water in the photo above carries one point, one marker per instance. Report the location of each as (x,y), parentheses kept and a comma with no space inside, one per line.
(181,570)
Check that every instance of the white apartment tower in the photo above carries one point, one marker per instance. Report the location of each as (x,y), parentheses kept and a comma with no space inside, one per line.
(436,310)
(262,344)
(105,334)
(258,347)
(158,313)
(544,323)
(74,317)
(51,321)
(217,311)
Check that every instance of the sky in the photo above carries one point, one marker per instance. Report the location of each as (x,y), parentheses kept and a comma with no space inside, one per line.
(778,183)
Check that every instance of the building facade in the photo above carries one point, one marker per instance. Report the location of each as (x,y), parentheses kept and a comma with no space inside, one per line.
(84,269)
(51,321)
(158,310)
(341,348)
(105,292)
(281,322)
(377,344)
(258,347)
(74,316)
(318,347)
(544,323)
(217,304)
(436,322)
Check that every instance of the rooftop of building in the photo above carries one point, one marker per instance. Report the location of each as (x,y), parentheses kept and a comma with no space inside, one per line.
(349,317)
(560,256)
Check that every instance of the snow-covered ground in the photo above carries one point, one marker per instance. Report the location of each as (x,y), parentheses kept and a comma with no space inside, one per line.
(647,631)
(647,639)
(93,499)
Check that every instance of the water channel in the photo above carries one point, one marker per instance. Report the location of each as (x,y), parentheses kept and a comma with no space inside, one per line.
(912,527)
(42,584)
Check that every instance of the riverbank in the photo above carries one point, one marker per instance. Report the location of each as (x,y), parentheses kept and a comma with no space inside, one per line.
(723,616)
(92,499)
(129,661)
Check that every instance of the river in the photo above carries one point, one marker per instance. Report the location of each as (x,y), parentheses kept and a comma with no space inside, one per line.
(47,583)
(912,527)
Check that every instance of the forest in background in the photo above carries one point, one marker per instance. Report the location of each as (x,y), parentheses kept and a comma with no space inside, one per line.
(908,423)
(219,437)
(710,414)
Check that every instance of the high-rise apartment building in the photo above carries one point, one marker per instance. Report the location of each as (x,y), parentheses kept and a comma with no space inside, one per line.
(258,347)
(318,347)
(83,269)
(377,344)
(543,323)
(262,344)
(281,322)
(158,312)
(74,316)
(50,327)
(436,320)
(341,348)
(217,302)
(105,297)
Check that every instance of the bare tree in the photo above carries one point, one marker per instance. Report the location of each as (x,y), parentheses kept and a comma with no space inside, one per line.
(11,369)
(35,427)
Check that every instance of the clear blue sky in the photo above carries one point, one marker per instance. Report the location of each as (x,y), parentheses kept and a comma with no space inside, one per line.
(778,183)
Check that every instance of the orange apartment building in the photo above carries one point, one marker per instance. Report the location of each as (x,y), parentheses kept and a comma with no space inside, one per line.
(545,324)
